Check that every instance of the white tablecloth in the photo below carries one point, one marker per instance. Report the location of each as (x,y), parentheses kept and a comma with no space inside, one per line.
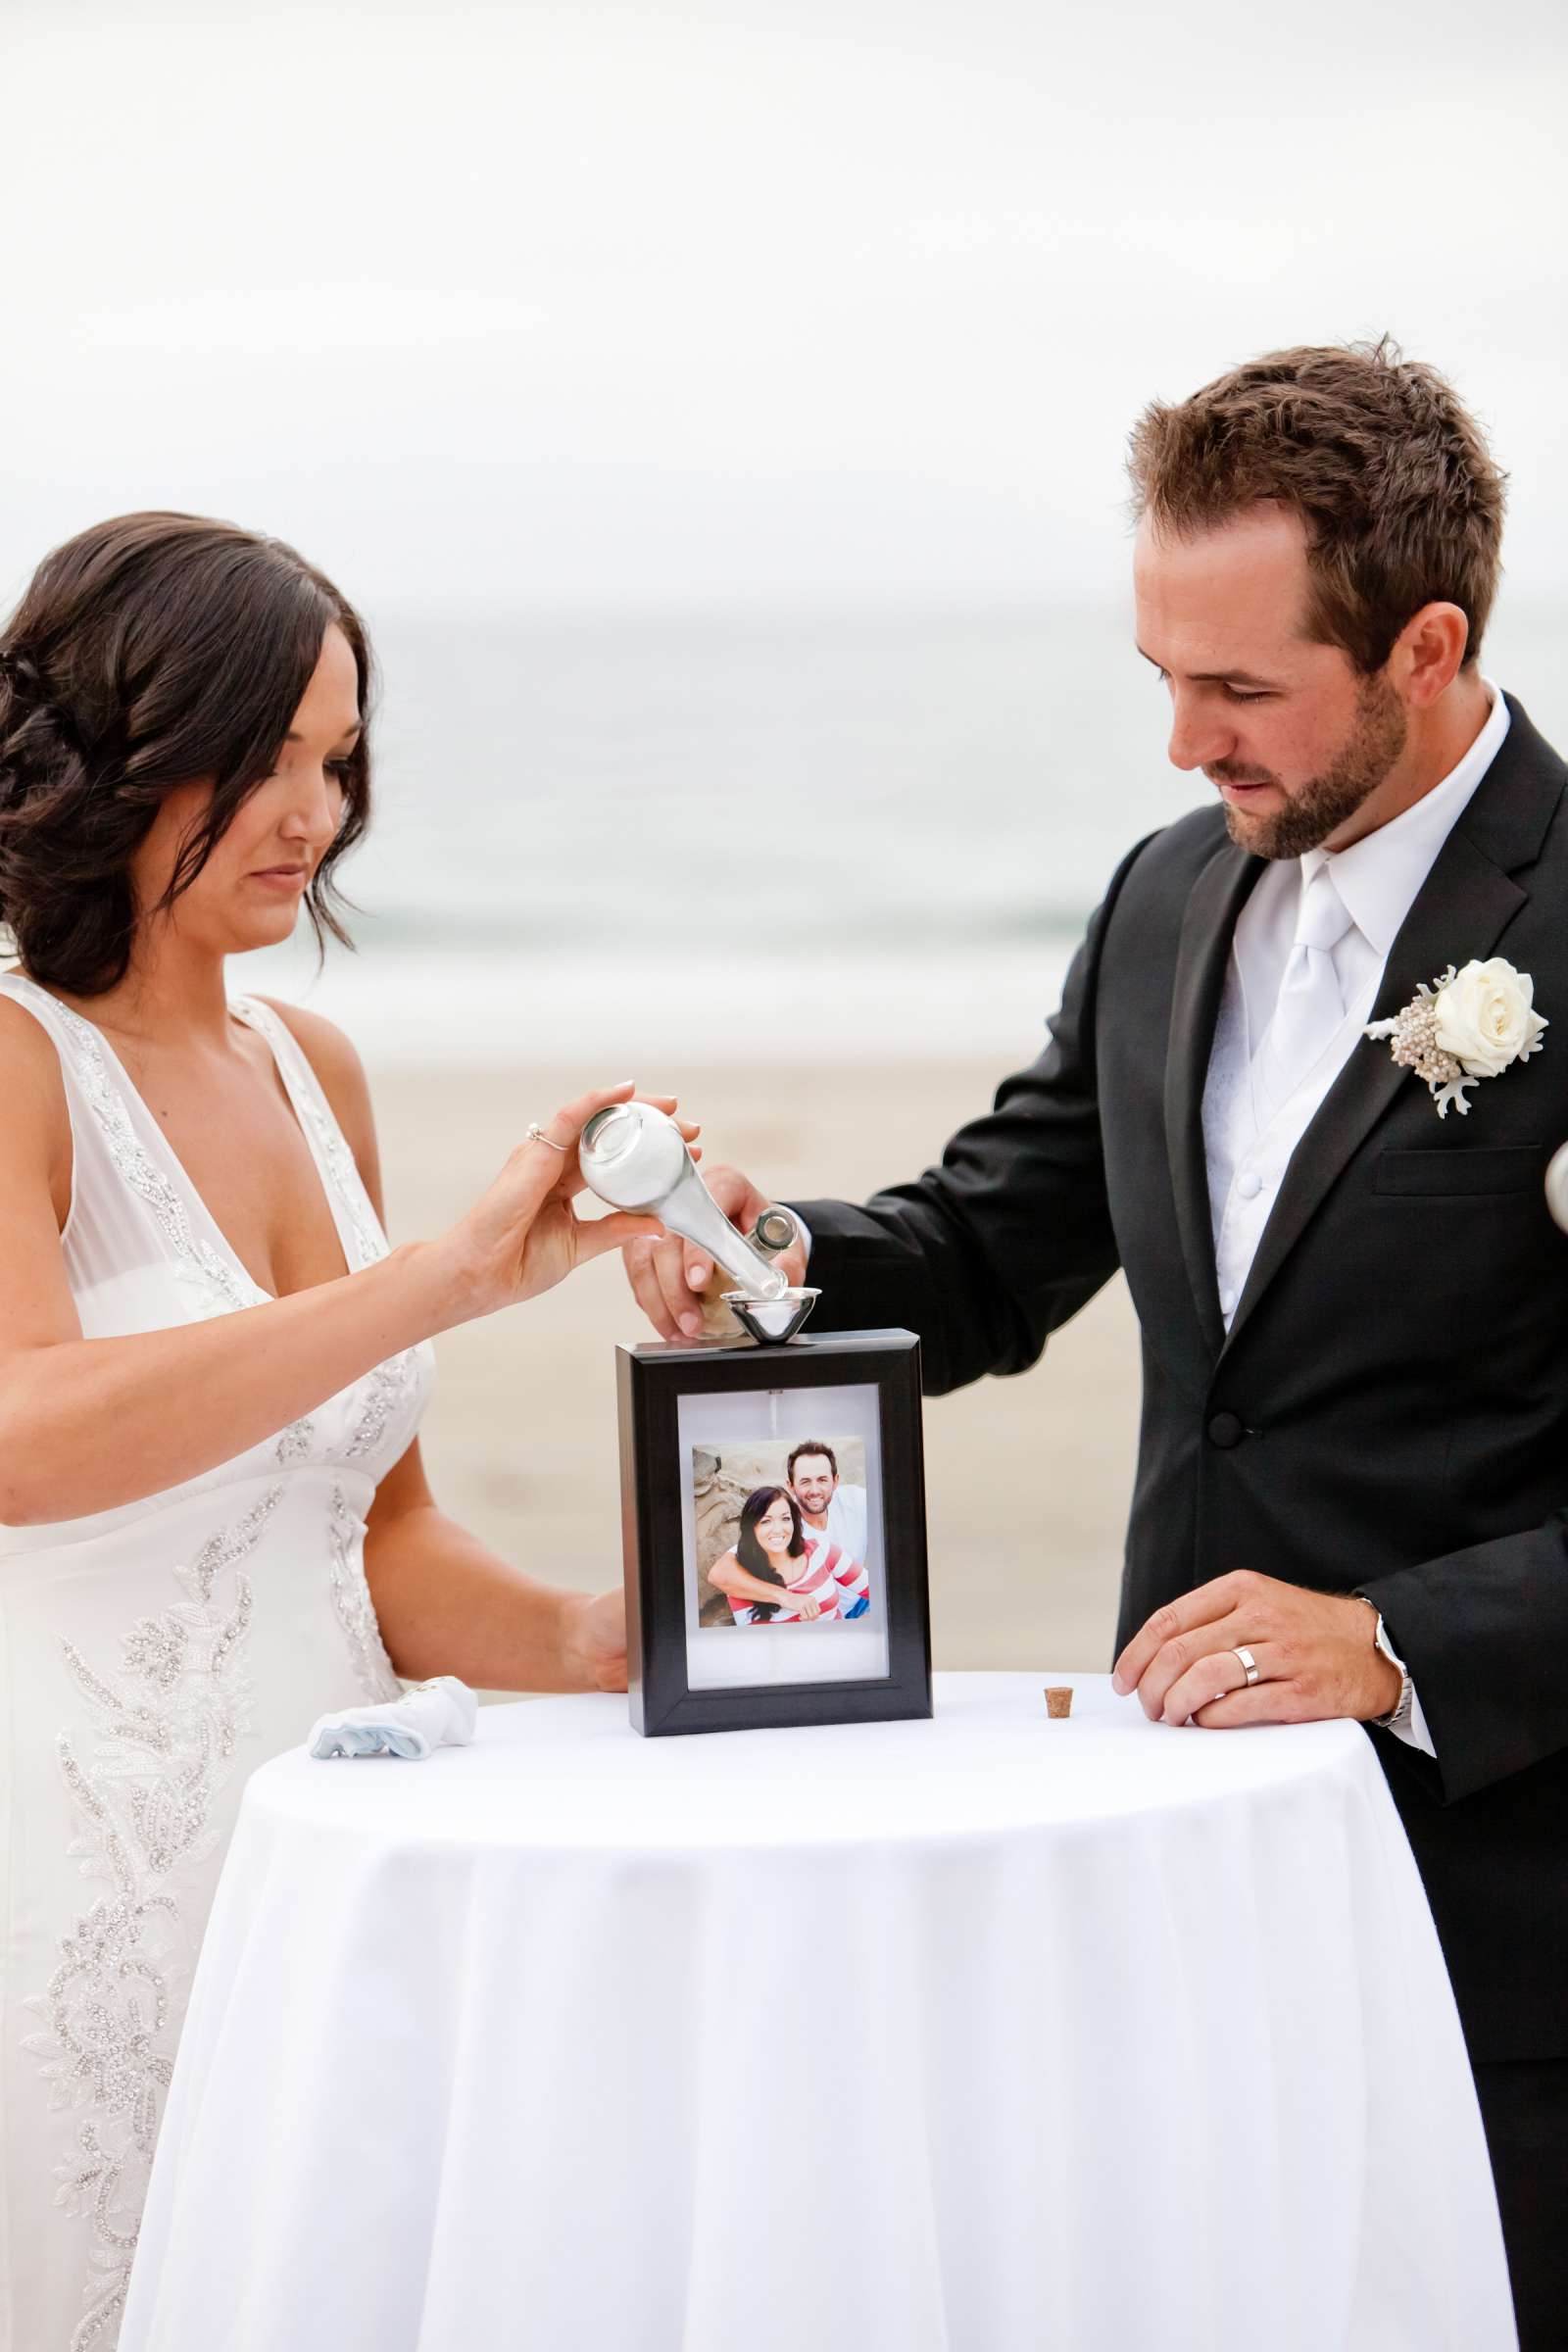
(971,2035)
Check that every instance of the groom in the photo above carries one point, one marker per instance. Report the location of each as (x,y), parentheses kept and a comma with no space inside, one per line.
(1353,1486)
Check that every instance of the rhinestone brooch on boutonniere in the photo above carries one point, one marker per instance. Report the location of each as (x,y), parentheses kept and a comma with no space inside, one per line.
(1468,1025)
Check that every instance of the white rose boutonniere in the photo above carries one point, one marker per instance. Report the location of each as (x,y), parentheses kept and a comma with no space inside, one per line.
(1469,1025)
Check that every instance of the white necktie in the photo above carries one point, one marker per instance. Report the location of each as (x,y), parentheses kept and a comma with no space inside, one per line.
(1309,1006)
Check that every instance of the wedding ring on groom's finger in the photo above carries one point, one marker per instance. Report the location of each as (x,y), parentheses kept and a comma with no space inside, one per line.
(1248,1665)
(537,1134)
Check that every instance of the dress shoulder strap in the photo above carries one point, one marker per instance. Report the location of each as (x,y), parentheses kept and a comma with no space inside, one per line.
(339,1168)
(127,1204)
(46,1010)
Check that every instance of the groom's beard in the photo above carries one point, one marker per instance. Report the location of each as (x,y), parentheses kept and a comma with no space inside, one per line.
(1318,808)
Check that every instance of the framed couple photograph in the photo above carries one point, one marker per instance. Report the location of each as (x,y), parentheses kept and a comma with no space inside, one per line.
(773,1519)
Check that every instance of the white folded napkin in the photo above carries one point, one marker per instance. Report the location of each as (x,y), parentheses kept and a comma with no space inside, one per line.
(439,1713)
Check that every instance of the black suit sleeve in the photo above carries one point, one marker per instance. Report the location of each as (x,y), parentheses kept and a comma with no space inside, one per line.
(1484,1635)
(987,1254)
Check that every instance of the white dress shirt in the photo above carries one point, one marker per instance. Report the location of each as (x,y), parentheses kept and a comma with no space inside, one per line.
(1247,1137)
(846,1521)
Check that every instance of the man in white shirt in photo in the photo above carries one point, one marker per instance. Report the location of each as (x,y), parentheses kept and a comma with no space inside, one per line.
(827,1505)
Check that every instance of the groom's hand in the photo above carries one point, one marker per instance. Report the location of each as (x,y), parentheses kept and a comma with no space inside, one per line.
(1313,1650)
(668,1275)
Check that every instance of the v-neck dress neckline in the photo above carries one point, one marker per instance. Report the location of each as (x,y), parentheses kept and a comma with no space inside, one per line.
(206,1261)
(306,1099)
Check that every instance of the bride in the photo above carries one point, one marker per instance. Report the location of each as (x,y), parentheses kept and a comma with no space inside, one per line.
(216,1522)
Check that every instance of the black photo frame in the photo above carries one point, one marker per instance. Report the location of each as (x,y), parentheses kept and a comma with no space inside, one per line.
(667,1391)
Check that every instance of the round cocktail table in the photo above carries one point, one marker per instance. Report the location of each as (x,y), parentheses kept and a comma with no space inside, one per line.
(971,2035)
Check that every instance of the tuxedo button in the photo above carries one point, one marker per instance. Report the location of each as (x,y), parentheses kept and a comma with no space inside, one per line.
(1225,1431)
(1249,1185)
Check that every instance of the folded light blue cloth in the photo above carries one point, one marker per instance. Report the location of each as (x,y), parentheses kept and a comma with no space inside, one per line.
(439,1713)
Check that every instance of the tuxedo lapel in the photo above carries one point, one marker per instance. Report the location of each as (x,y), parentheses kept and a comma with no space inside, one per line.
(1217,898)
(1463,906)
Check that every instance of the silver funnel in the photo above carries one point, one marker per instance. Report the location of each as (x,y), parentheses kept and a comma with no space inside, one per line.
(635,1157)
(771,1322)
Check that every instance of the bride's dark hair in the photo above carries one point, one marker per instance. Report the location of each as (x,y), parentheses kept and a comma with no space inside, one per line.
(151,651)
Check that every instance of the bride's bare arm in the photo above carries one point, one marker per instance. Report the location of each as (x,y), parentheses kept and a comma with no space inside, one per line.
(89,1424)
(445,1601)
(448,1605)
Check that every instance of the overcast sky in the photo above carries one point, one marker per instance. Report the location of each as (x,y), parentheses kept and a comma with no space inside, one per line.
(835,302)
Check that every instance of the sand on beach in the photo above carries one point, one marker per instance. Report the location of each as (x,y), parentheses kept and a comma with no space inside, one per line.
(1028,1479)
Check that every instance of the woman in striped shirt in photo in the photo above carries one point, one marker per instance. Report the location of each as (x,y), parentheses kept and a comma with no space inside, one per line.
(779,1575)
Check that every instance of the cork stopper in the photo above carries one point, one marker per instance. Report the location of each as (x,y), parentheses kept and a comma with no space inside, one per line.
(1058,1700)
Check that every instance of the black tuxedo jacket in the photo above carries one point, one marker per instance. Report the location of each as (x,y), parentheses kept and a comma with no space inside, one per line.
(1390,1408)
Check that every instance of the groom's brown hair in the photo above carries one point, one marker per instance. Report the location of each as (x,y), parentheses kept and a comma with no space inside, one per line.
(1390,474)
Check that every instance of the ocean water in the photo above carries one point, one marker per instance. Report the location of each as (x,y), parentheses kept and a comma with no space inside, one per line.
(728,835)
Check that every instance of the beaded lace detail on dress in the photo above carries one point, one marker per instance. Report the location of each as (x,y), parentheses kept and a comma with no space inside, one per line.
(389,1384)
(356,1610)
(305,1093)
(342,1176)
(339,1161)
(195,1257)
(168,1721)
(387,1387)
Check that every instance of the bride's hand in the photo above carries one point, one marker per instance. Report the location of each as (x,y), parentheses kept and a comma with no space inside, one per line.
(525,1235)
(596,1643)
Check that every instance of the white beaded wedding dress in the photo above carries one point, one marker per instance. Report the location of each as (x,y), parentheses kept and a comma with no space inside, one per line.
(151,1656)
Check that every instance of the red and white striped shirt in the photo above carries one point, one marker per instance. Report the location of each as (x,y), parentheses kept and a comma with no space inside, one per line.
(826,1575)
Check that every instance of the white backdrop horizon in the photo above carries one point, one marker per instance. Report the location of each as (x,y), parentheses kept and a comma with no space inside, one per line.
(722,420)
(529,308)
